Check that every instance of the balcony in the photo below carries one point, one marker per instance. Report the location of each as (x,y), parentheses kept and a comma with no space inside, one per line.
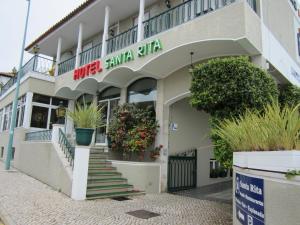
(37,64)
(170,18)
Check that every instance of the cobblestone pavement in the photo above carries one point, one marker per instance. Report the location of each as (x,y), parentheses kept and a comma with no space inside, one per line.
(27,201)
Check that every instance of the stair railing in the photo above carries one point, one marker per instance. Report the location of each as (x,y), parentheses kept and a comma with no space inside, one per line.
(66,147)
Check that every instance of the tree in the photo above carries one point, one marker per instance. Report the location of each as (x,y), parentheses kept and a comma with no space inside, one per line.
(225,88)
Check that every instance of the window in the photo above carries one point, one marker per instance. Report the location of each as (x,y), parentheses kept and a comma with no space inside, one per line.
(7,117)
(143,92)
(21,111)
(56,102)
(43,111)
(2,152)
(13,153)
(136,19)
(41,99)
(109,100)
(108,93)
(85,99)
(1,119)
(39,117)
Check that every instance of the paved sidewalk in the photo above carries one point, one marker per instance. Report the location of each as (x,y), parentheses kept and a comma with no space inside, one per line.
(27,201)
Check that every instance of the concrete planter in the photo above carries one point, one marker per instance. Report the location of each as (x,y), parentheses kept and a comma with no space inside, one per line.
(261,192)
(279,161)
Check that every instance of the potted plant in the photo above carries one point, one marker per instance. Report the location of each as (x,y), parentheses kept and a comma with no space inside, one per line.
(267,140)
(155,154)
(86,119)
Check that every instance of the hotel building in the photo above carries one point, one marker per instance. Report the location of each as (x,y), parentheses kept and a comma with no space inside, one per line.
(139,51)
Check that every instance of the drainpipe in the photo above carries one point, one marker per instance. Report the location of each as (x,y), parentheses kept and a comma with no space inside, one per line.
(140,34)
(79,46)
(58,54)
(105,31)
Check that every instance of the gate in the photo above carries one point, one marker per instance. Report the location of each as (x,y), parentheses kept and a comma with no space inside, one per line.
(182,171)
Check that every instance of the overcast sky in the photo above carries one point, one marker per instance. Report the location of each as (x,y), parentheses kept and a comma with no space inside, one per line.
(44,13)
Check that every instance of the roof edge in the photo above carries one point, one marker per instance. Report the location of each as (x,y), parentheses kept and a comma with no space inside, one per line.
(60,23)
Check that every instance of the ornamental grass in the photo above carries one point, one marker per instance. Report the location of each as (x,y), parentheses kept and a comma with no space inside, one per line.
(278,128)
(87,116)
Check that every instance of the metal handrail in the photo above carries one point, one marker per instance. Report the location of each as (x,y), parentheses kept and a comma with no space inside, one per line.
(90,54)
(66,65)
(122,40)
(37,64)
(45,135)
(66,147)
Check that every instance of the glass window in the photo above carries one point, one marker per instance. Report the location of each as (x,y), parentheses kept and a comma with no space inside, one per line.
(39,117)
(1,119)
(7,117)
(41,99)
(109,93)
(85,99)
(13,153)
(143,92)
(56,101)
(53,118)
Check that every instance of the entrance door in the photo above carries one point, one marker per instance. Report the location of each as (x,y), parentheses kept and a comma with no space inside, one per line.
(182,171)
(108,107)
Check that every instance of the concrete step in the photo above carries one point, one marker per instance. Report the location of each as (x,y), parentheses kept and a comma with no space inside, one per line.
(114,195)
(102,169)
(98,156)
(109,189)
(106,183)
(99,166)
(104,175)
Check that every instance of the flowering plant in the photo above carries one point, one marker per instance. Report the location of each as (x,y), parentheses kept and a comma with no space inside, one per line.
(132,129)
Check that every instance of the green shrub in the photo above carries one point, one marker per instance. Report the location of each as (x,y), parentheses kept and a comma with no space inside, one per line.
(289,95)
(87,116)
(276,129)
(225,88)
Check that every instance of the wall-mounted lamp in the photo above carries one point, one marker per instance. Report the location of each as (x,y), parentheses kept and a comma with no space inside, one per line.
(191,69)
(168,3)
(36,49)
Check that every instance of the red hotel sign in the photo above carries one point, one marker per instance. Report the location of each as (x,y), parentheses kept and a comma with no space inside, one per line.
(87,70)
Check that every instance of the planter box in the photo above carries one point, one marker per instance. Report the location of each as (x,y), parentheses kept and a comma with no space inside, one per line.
(279,161)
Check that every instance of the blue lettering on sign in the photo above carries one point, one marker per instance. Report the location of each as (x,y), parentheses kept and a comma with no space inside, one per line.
(249,200)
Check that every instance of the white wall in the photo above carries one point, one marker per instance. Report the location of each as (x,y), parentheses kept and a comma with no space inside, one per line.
(193,132)
(275,53)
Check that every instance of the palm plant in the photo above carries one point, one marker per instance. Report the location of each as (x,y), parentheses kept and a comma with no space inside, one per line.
(275,129)
(87,116)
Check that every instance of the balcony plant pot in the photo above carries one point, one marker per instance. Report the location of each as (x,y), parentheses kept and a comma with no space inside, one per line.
(84,136)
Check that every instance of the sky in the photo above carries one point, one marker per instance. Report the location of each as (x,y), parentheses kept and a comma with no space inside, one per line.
(43,14)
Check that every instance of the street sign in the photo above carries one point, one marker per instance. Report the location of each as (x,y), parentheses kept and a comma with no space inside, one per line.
(249,200)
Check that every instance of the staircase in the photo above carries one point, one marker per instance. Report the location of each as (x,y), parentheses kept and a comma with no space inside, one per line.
(104,181)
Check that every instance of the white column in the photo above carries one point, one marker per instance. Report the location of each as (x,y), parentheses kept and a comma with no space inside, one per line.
(140,34)
(69,122)
(162,135)
(55,132)
(123,97)
(95,101)
(79,45)
(80,172)
(58,54)
(28,110)
(105,31)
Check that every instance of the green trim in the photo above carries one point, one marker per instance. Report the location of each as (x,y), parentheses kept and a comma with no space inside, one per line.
(110,187)
(115,194)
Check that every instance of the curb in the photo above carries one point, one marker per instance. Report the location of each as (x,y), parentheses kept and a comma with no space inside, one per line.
(5,217)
